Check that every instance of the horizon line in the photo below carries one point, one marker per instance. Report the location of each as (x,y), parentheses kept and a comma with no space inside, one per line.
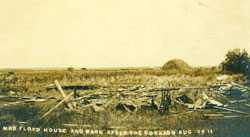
(118,67)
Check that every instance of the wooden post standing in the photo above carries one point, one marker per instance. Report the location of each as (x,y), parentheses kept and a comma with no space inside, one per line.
(75,93)
(165,101)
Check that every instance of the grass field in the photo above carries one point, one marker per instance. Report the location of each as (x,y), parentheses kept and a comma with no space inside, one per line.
(31,84)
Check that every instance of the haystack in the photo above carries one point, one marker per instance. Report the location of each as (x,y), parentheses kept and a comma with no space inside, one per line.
(176,64)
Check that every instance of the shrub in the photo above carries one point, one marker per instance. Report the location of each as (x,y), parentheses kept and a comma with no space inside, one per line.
(70,69)
(236,62)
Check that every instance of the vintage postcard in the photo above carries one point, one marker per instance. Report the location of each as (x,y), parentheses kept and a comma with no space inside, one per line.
(124,68)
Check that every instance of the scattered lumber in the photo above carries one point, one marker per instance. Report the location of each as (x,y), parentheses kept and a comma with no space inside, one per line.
(237,116)
(211,101)
(49,86)
(213,115)
(63,94)
(224,112)
(184,113)
(74,87)
(248,105)
(230,110)
(13,103)
(66,98)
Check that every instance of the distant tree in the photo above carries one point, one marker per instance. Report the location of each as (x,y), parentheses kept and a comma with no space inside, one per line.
(70,69)
(236,62)
(83,68)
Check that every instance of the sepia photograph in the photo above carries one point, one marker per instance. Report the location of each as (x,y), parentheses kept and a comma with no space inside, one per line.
(124,68)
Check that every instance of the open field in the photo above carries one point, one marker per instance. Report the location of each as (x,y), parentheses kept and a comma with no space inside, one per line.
(121,101)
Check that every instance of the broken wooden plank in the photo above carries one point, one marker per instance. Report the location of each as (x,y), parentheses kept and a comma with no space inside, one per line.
(13,103)
(49,86)
(66,98)
(63,94)
(128,110)
(237,116)
(213,115)
(231,110)
(184,113)
(211,101)
(248,105)
(231,116)
(224,112)
(165,89)
(77,87)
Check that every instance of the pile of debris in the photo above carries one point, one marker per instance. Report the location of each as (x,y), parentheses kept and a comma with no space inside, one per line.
(232,90)
(124,101)
(201,103)
(142,98)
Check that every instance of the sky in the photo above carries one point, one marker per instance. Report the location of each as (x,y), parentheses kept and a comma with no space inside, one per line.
(120,33)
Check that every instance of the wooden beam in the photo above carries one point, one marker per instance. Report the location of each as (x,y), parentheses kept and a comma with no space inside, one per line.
(72,87)
(63,94)
(57,105)
(231,110)
(213,115)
